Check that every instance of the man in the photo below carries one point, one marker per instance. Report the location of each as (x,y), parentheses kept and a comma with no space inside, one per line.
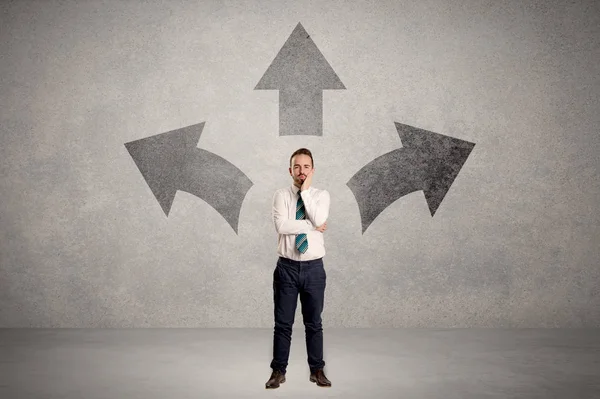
(299,214)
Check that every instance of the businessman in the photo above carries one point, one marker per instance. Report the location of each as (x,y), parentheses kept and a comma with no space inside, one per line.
(300,212)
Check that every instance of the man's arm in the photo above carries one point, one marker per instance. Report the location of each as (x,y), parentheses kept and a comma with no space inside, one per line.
(316,206)
(285,225)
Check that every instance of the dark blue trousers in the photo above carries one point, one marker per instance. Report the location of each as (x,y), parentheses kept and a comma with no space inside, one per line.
(290,278)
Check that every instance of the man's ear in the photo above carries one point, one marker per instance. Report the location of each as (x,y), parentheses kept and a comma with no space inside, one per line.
(290,169)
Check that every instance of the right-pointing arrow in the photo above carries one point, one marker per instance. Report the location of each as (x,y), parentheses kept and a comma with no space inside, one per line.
(300,73)
(427,161)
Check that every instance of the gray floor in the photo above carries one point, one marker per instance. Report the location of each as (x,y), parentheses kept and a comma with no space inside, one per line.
(361,363)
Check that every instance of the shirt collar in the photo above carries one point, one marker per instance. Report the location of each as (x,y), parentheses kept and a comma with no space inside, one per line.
(295,189)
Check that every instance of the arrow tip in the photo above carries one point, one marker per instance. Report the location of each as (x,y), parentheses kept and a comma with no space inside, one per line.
(299,64)
(444,156)
(159,159)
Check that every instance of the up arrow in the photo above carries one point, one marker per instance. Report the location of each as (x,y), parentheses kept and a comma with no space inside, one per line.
(300,73)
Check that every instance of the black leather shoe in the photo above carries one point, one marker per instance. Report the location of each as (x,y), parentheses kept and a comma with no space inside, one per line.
(277,377)
(320,379)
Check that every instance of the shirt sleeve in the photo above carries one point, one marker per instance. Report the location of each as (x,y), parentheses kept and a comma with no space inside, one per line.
(283,224)
(316,205)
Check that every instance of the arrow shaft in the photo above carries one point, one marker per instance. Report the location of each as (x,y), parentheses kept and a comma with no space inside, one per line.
(216,181)
(386,179)
(300,112)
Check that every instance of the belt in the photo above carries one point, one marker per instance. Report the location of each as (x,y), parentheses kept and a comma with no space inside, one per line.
(301,262)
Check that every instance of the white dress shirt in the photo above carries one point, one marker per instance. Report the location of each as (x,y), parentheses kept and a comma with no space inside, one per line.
(316,205)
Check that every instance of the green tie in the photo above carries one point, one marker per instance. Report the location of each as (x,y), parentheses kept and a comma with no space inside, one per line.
(301,239)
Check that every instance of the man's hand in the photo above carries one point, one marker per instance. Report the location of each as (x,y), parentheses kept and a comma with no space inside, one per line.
(322,227)
(307,181)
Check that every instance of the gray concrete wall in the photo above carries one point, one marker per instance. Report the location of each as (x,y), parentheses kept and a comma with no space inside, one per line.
(85,243)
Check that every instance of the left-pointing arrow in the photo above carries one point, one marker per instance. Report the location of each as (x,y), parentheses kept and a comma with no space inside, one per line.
(171,161)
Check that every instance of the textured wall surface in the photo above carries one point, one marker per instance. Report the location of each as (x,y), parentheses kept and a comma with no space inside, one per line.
(84,242)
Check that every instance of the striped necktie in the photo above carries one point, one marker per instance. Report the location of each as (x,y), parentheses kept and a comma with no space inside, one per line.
(301,239)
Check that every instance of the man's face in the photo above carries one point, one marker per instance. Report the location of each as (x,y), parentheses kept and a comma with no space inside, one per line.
(301,166)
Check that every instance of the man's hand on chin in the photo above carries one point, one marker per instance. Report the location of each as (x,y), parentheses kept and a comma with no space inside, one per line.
(307,182)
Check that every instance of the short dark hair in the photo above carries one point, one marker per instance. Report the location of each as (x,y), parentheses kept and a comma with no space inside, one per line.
(303,151)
